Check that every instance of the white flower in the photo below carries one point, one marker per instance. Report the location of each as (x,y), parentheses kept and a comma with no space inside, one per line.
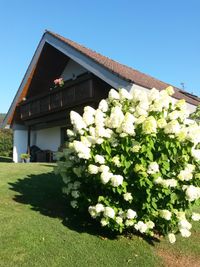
(136,148)
(196,154)
(92,211)
(131,214)
(70,133)
(144,104)
(140,119)
(119,220)
(77,121)
(169,182)
(99,208)
(127,125)
(161,123)
(127,196)
(75,194)
(139,111)
(172,238)
(186,174)
(192,192)
(113,94)
(180,215)
(82,150)
(99,159)
(93,169)
(76,185)
(139,95)
(99,118)
(109,212)
(153,168)
(86,141)
(166,182)
(116,161)
(166,214)
(116,180)
(153,94)
(105,177)
(165,99)
(66,190)
(173,127)
(88,115)
(129,223)
(184,224)
(104,222)
(92,131)
(70,186)
(150,224)
(104,168)
(141,227)
(181,104)
(194,133)
(74,204)
(116,118)
(182,134)
(156,106)
(170,90)
(159,180)
(99,141)
(185,232)
(149,125)
(103,105)
(65,177)
(124,94)
(100,131)
(190,167)
(195,216)
(174,115)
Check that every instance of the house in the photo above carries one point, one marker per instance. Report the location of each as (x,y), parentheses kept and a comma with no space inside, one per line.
(39,113)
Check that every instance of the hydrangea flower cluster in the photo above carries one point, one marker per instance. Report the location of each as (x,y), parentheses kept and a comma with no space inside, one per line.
(134,163)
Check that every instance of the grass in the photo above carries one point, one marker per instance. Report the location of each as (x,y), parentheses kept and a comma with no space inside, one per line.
(34,231)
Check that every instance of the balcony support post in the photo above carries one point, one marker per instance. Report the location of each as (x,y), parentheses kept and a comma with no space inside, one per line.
(29,140)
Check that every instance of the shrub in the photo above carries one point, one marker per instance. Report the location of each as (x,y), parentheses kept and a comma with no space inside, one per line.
(134,163)
(6,142)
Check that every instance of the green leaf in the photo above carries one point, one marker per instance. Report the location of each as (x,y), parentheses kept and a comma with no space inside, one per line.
(150,155)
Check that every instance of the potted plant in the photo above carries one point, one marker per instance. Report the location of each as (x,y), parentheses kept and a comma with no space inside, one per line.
(25,158)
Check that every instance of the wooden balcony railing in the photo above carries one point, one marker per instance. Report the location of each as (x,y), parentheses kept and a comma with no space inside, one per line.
(73,93)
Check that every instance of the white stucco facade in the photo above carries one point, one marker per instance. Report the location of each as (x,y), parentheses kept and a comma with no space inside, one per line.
(47,139)
(20,138)
(72,70)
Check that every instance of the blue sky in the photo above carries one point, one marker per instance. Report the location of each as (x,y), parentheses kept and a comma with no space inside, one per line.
(160,38)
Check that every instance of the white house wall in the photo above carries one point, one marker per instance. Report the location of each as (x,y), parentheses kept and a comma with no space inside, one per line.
(72,70)
(48,139)
(20,138)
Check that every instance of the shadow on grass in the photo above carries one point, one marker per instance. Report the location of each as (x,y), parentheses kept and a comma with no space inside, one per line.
(43,193)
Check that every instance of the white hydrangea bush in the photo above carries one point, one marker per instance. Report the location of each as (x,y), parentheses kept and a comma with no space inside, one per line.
(134,163)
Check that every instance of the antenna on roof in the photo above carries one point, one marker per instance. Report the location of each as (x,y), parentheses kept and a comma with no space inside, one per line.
(182,85)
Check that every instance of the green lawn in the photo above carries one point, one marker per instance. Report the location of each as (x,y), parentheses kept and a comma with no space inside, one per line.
(34,232)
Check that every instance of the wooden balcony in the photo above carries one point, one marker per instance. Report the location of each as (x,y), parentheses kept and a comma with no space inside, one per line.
(73,93)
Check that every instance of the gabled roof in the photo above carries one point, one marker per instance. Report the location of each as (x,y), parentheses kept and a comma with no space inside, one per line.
(129,73)
(107,68)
